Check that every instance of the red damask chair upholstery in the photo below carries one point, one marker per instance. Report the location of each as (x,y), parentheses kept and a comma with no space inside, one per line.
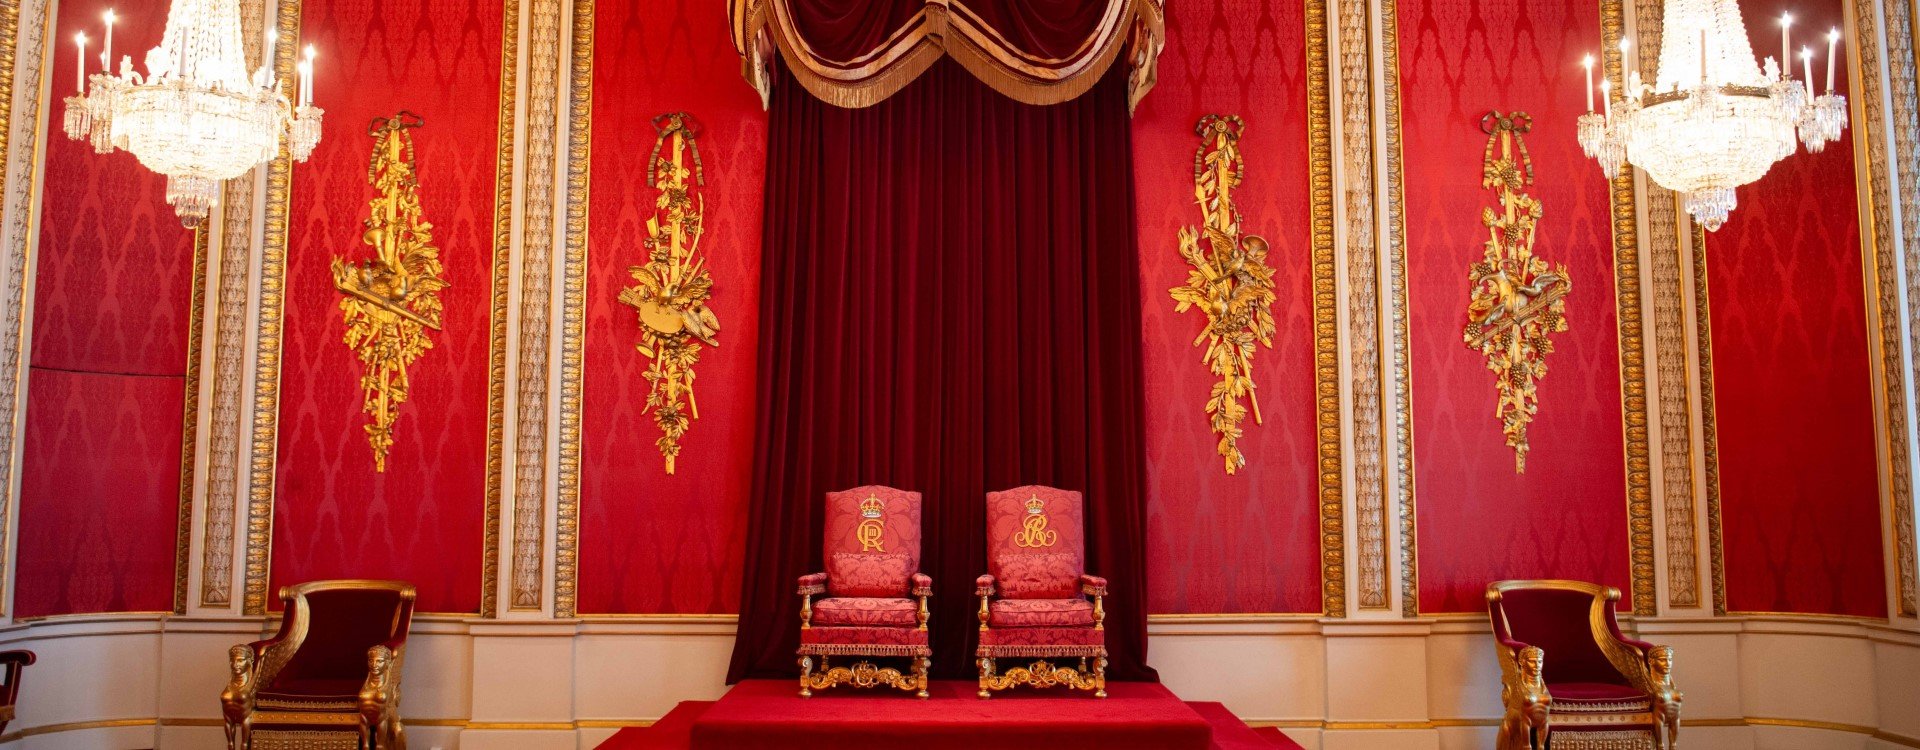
(1034,602)
(1570,678)
(331,676)
(876,598)
(14,662)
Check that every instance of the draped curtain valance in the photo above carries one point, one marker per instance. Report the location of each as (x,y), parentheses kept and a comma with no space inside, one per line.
(855,53)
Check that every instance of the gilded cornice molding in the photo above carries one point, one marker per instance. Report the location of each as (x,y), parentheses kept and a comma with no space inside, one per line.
(1326,315)
(1670,352)
(1363,302)
(20,118)
(498,307)
(574,313)
(190,420)
(229,361)
(1891,188)
(536,304)
(267,332)
(1394,172)
(1633,375)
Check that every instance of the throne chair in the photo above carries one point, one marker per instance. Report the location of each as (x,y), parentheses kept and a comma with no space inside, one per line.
(1034,604)
(1570,679)
(875,601)
(13,662)
(330,678)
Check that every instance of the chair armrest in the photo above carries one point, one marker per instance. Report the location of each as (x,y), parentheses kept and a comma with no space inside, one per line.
(383,674)
(813,584)
(1093,585)
(244,678)
(22,658)
(983,586)
(922,584)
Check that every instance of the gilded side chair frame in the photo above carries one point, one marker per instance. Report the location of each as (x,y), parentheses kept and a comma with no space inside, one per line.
(863,674)
(374,714)
(1528,706)
(1090,674)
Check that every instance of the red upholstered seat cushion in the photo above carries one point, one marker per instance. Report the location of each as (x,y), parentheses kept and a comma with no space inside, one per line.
(311,694)
(1046,575)
(1026,642)
(1040,613)
(868,574)
(866,611)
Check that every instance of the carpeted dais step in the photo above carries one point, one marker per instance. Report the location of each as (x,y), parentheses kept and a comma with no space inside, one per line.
(669,733)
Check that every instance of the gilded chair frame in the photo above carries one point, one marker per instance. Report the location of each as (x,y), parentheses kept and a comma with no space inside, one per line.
(374,715)
(1528,705)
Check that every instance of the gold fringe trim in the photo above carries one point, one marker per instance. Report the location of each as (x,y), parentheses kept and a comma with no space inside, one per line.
(947,27)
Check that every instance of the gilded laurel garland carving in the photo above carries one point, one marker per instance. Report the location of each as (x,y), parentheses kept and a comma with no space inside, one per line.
(497,327)
(536,276)
(1363,302)
(1517,301)
(863,674)
(1230,282)
(391,301)
(566,543)
(671,289)
(1633,372)
(266,368)
(1670,352)
(1326,315)
(1888,186)
(19,130)
(1045,674)
(190,420)
(229,362)
(1396,232)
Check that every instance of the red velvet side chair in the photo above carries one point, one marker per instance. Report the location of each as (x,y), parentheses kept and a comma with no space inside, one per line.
(331,676)
(14,662)
(876,598)
(1035,602)
(1570,679)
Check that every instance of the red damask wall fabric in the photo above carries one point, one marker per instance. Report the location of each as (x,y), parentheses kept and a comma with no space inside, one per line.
(1791,371)
(1247,542)
(100,474)
(422,520)
(1478,520)
(652,542)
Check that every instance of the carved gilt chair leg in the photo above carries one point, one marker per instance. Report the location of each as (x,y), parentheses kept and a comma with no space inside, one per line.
(1100,677)
(921,665)
(986,676)
(399,734)
(806,672)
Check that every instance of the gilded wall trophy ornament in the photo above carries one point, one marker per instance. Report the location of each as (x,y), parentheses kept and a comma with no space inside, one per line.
(1517,299)
(391,300)
(1229,281)
(672,288)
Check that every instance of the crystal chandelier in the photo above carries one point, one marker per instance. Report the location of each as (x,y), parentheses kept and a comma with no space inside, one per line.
(196,116)
(1713,121)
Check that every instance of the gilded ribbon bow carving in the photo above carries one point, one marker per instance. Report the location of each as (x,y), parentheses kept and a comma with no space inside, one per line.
(1517,299)
(1229,280)
(391,299)
(673,286)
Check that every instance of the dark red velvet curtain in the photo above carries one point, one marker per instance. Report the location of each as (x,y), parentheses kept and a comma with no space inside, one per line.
(950,304)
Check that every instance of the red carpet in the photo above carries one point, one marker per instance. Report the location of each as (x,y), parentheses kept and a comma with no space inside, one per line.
(766,714)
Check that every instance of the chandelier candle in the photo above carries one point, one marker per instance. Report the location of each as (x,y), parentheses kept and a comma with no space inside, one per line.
(1833,38)
(1786,47)
(106,55)
(1587,63)
(80,68)
(1806,70)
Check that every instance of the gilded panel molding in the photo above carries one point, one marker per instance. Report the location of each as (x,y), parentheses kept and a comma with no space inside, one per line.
(566,556)
(267,331)
(1633,374)
(19,141)
(1883,247)
(1326,314)
(1670,352)
(190,419)
(229,359)
(1363,301)
(497,308)
(1709,427)
(1396,232)
(536,302)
